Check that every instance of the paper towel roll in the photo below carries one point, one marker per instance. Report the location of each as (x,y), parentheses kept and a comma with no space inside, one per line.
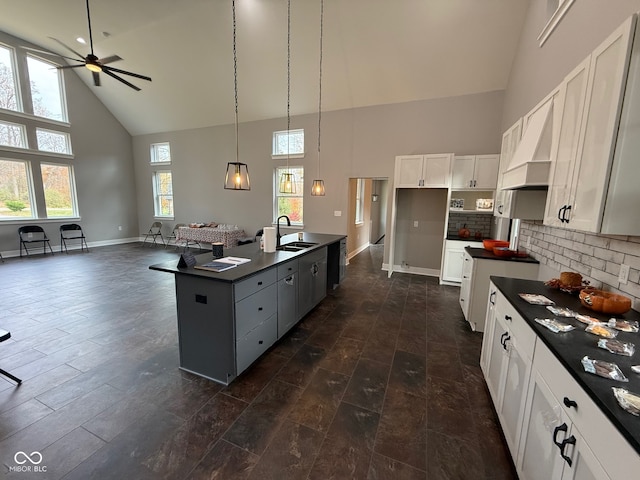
(269,236)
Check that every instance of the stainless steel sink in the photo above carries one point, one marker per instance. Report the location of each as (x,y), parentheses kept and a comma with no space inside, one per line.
(300,244)
(290,248)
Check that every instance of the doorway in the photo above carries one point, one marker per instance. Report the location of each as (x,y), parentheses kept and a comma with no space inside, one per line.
(367,219)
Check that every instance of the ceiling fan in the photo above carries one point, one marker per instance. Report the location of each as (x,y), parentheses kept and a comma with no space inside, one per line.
(95,64)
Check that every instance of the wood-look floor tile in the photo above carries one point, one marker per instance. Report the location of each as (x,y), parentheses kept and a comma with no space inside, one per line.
(68,452)
(22,416)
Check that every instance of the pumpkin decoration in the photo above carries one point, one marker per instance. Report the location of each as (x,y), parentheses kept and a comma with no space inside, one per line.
(464,232)
(604,302)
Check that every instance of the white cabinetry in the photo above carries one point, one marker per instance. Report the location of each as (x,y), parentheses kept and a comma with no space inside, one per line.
(475,171)
(594,171)
(475,284)
(506,363)
(423,171)
(510,141)
(453,260)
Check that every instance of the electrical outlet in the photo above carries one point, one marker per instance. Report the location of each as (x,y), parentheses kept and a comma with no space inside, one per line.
(337,213)
(404,264)
(415,223)
(623,276)
(120,227)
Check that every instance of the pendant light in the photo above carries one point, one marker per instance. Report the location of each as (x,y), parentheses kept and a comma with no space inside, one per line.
(287,179)
(374,197)
(317,189)
(237,177)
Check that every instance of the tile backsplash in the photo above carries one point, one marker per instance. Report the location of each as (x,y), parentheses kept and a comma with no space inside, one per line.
(595,257)
(475,222)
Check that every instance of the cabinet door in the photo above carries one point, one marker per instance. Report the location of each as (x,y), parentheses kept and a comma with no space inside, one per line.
(571,98)
(436,170)
(539,457)
(465,286)
(463,167)
(452,267)
(486,171)
(408,172)
(584,464)
(601,115)
(489,325)
(496,360)
(287,303)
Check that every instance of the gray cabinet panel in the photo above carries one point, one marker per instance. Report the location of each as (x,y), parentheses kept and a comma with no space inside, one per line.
(313,280)
(251,285)
(287,268)
(256,342)
(287,303)
(255,309)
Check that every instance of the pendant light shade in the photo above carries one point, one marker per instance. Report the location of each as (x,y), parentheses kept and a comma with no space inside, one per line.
(287,183)
(237,177)
(317,189)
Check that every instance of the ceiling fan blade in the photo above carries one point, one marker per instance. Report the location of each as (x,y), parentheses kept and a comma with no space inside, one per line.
(111,59)
(52,53)
(120,79)
(68,48)
(63,67)
(124,72)
(96,79)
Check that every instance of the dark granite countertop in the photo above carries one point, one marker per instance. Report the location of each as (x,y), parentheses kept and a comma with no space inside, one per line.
(468,239)
(259,259)
(487,255)
(570,347)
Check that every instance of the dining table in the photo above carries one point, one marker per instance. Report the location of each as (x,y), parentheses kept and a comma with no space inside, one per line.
(228,236)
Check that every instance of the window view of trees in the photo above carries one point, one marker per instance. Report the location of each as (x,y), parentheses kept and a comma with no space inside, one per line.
(15,199)
(291,140)
(12,135)
(49,141)
(8,94)
(290,204)
(56,182)
(45,89)
(163,190)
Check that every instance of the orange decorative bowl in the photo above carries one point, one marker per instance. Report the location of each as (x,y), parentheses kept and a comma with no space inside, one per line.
(605,302)
(488,244)
(503,252)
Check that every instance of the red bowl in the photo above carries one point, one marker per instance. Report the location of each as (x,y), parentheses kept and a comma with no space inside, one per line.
(503,252)
(488,244)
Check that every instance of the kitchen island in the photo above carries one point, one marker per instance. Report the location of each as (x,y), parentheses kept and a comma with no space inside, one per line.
(558,420)
(227,319)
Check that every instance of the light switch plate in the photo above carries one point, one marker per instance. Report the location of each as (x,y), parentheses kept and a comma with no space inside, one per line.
(415,223)
(337,213)
(623,276)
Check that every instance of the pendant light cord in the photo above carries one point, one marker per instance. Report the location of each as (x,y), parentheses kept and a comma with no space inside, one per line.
(320,81)
(89,22)
(235,72)
(288,81)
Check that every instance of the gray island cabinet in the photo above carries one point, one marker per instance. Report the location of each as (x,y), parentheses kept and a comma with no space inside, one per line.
(226,320)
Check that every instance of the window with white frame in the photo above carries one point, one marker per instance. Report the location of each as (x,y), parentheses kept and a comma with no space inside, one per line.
(53,141)
(291,141)
(46,89)
(163,193)
(9,97)
(160,153)
(16,190)
(13,135)
(289,204)
(59,190)
(359,201)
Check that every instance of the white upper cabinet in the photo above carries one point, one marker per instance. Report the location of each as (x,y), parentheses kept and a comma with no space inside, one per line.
(475,171)
(423,171)
(591,175)
(510,141)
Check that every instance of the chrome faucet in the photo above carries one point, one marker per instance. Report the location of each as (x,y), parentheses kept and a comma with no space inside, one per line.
(278,228)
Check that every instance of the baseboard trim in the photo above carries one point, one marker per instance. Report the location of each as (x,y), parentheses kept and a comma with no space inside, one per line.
(56,248)
(362,248)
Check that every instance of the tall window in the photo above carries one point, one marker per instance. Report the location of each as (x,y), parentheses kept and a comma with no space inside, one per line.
(289,204)
(163,194)
(288,139)
(59,190)
(13,135)
(16,191)
(46,89)
(359,201)
(9,97)
(160,153)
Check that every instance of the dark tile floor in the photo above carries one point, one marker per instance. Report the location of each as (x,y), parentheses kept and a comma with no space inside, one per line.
(380,381)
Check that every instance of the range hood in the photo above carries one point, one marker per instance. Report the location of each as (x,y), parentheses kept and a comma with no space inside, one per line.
(531,162)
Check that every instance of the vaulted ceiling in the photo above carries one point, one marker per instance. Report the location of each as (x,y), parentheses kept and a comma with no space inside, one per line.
(375,52)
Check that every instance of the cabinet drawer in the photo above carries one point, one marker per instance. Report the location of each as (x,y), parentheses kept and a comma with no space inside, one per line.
(255,309)
(252,284)
(608,445)
(287,268)
(255,343)
(518,327)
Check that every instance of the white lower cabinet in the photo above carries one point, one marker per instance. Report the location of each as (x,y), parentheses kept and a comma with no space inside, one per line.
(507,358)
(453,259)
(552,427)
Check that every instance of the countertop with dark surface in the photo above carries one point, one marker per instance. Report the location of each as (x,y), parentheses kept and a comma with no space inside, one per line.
(468,239)
(259,259)
(487,255)
(570,347)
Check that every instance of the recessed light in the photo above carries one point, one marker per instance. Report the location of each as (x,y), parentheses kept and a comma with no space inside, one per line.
(81,40)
